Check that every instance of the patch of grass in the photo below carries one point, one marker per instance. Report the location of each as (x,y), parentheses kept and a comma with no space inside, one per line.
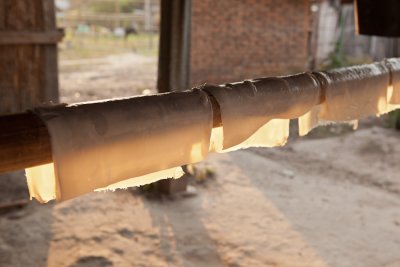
(87,46)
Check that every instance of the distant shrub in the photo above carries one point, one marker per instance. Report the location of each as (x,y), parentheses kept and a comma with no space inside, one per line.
(394,119)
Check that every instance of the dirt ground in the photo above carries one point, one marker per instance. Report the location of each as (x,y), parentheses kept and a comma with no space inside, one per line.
(332,201)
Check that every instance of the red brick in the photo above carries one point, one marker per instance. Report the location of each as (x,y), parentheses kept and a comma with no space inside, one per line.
(234,40)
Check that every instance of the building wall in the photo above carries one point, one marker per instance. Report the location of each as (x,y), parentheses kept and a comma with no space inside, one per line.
(241,39)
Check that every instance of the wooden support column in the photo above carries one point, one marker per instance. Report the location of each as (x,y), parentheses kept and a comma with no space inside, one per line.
(28,77)
(174,63)
(50,56)
(28,54)
(174,54)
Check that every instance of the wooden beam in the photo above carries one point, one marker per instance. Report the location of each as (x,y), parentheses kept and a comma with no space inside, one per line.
(24,142)
(29,37)
(50,54)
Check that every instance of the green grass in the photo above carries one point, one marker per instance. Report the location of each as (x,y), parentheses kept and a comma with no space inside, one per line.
(84,47)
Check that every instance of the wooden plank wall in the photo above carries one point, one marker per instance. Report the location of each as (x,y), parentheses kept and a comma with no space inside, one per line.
(2,17)
(50,62)
(28,72)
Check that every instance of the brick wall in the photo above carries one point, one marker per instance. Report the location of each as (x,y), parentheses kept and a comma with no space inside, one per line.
(241,39)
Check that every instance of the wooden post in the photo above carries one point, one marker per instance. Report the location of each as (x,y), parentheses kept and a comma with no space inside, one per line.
(28,54)
(173,63)
(174,54)
(50,56)
(28,77)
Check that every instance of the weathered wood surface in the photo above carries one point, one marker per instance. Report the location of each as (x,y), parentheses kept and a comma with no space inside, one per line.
(28,72)
(173,61)
(24,142)
(2,17)
(50,57)
(174,54)
(25,37)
